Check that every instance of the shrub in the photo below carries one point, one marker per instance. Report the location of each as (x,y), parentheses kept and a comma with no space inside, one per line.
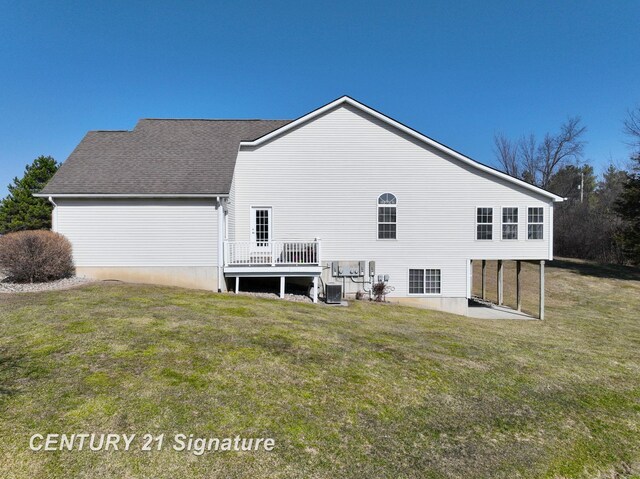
(380,290)
(35,256)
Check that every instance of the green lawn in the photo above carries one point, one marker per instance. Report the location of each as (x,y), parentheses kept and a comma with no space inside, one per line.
(366,391)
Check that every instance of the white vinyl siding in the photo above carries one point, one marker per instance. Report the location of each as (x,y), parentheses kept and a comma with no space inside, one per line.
(140,232)
(323,179)
(231,229)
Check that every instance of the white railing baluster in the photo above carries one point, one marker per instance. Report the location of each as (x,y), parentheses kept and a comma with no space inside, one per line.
(272,253)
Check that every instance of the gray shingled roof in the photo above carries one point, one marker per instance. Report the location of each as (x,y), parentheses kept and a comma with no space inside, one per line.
(164,157)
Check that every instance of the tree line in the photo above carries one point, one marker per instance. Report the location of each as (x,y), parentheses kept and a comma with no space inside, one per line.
(600,218)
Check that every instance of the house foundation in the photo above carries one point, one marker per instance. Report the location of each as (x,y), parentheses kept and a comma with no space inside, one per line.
(195,277)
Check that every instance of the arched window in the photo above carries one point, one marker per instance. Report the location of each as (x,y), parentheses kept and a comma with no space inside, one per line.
(386,216)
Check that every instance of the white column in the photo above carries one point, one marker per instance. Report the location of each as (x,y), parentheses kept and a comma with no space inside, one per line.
(550,229)
(281,287)
(500,282)
(315,289)
(518,285)
(541,314)
(319,251)
(237,284)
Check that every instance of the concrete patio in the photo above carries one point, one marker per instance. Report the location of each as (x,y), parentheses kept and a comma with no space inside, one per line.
(486,310)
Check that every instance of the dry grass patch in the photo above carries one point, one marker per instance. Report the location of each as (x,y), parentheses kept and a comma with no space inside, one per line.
(364,391)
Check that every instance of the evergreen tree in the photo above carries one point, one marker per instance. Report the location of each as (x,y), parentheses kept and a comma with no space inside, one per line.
(20,210)
(628,207)
(566,182)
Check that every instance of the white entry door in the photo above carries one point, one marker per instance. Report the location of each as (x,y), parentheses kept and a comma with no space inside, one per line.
(260,227)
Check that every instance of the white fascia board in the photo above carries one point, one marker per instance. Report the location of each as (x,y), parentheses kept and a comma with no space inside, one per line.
(408,131)
(133,195)
(295,123)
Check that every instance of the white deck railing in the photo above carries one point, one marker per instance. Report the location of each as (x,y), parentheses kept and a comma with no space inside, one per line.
(272,253)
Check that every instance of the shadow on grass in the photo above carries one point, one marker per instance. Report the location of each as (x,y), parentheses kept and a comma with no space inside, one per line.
(599,270)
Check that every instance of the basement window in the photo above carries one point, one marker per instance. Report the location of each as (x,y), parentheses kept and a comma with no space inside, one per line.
(509,223)
(424,281)
(387,216)
(535,223)
(484,224)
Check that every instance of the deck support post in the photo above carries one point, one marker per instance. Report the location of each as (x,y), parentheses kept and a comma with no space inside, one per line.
(500,282)
(281,287)
(541,313)
(315,289)
(470,273)
(237,284)
(318,251)
(518,291)
(484,279)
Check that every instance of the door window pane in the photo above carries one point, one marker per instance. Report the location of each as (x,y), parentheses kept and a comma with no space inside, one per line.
(262,227)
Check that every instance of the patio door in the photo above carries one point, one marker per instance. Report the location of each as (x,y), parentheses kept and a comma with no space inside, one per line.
(260,228)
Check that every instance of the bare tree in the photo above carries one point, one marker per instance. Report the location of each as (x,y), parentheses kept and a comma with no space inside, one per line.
(560,149)
(529,158)
(632,127)
(537,162)
(507,153)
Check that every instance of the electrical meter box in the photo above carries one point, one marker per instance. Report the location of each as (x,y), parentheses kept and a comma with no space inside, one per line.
(348,269)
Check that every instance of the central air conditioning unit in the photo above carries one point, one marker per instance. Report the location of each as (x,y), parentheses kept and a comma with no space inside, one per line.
(334,293)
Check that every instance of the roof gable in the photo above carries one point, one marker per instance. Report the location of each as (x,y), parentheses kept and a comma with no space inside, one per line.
(171,157)
(405,129)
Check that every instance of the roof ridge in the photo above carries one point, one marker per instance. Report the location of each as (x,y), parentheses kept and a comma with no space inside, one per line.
(109,131)
(212,119)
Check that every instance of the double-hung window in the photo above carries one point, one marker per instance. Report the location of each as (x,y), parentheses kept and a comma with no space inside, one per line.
(424,281)
(509,223)
(484,224)
(387,216)
(535,223)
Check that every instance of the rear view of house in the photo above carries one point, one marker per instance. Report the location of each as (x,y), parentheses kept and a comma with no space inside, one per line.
(341,195)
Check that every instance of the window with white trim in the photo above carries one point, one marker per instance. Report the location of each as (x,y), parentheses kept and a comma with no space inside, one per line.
(484,224)
(509,223)
(535,223)
(387,216)
(424,281)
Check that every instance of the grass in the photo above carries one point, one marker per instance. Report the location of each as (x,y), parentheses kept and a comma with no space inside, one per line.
(366,391)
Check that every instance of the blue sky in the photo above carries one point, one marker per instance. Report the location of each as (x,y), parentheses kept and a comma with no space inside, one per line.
(456,71)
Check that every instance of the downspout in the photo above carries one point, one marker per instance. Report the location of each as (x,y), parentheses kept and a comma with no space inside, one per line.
(221,235)
(54,214)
